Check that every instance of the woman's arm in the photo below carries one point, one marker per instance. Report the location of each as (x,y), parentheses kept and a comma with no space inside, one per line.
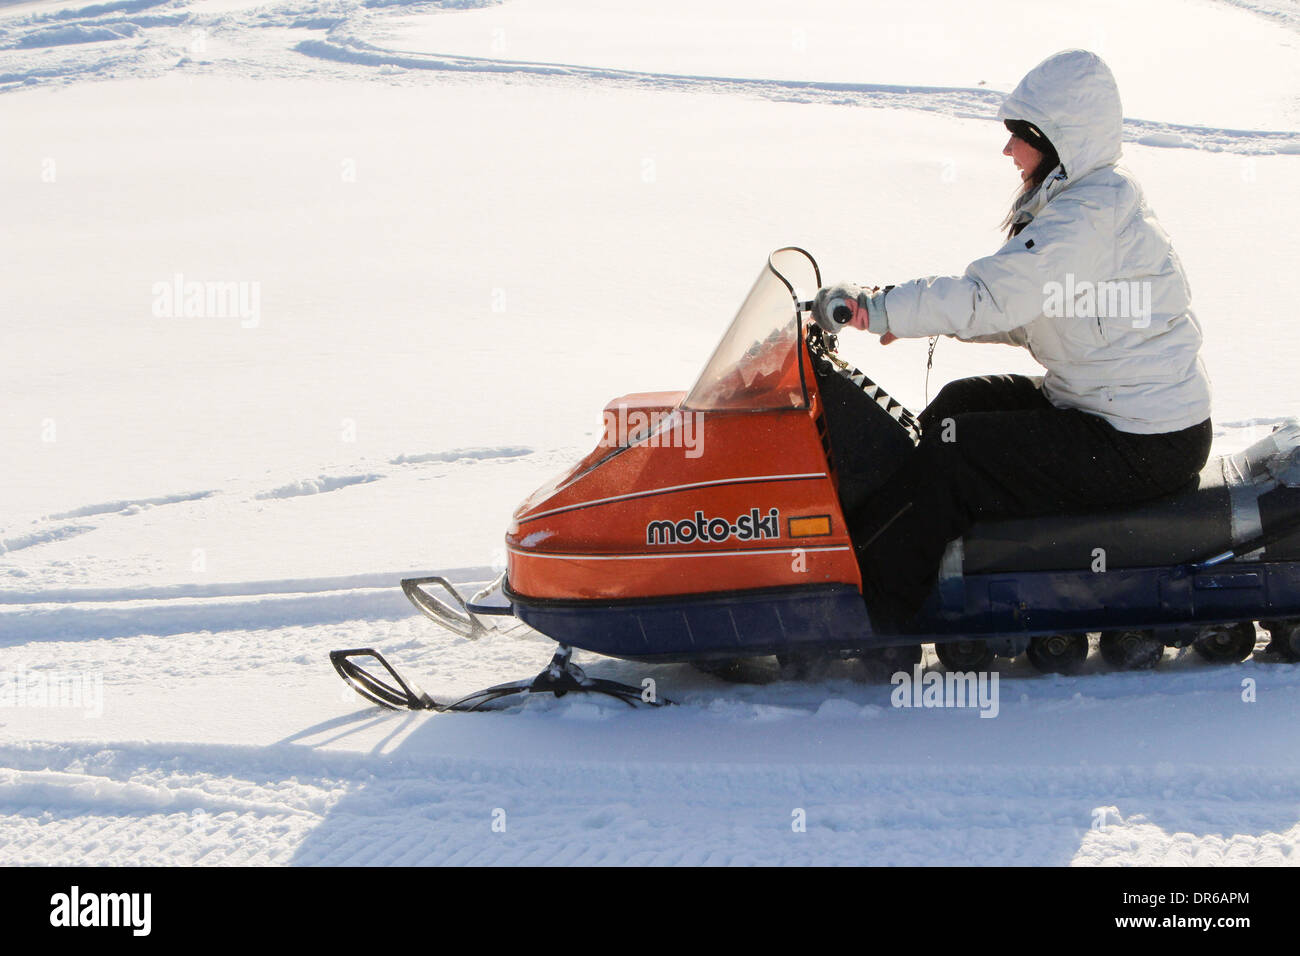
(1016,336)
(1000,293)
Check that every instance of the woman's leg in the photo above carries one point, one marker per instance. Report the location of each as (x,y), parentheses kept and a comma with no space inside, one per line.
(880,535)
(983,465)
(983,393)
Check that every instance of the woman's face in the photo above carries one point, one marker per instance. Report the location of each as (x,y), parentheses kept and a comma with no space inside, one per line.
(1023,155)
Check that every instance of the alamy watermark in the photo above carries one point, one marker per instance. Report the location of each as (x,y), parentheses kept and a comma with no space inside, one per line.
(920,688)
(1074,298)
(130,910)
(180,298)
(53,689)
(657,428)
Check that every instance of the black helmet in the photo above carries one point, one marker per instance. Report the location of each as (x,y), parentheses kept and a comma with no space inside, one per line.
(1030,133)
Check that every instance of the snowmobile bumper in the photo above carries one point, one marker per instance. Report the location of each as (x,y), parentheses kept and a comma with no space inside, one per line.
(455,614)
(717,625)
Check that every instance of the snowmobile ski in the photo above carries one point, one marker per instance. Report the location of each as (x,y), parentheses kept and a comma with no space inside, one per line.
(560,677)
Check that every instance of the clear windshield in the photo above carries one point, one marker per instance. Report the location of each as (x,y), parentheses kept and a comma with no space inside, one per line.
(756,365)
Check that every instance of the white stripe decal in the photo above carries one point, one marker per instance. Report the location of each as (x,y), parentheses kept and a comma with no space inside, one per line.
(660,491)
(679,554)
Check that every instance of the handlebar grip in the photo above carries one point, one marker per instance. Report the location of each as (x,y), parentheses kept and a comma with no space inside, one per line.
(840,311)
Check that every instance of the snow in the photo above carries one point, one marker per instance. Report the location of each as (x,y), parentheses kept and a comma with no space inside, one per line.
(462,251)
(930,43)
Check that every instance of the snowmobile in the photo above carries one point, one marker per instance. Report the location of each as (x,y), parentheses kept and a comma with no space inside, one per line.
(707,526)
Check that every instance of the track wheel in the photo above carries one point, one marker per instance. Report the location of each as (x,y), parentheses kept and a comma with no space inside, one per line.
(800,665)
(900,657)
(964,656)
(1131,650)
(1285,638)
(1226,643)
(1058,653)
(739,670)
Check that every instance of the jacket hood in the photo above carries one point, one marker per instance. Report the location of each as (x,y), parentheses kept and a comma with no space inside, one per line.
(1072,97)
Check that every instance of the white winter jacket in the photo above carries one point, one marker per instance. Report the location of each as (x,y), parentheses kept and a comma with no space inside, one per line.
(1091,286)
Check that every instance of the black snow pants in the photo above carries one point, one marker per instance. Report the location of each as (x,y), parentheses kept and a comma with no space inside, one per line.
(995,447)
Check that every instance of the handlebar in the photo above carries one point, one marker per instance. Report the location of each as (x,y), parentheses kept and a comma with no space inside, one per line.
(840,311)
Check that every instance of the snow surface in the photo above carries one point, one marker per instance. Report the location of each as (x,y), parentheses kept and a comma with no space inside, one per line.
(469,226)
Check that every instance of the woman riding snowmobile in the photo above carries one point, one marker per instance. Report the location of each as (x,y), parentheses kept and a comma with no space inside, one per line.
(1089,283)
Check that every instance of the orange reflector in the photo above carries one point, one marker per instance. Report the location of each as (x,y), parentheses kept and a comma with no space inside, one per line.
(811,526)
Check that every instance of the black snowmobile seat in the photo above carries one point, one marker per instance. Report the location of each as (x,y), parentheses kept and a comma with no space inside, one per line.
(1193,522)
(1235,498)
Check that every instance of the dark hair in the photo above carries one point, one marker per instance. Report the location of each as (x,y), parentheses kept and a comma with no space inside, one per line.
(1032,135)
